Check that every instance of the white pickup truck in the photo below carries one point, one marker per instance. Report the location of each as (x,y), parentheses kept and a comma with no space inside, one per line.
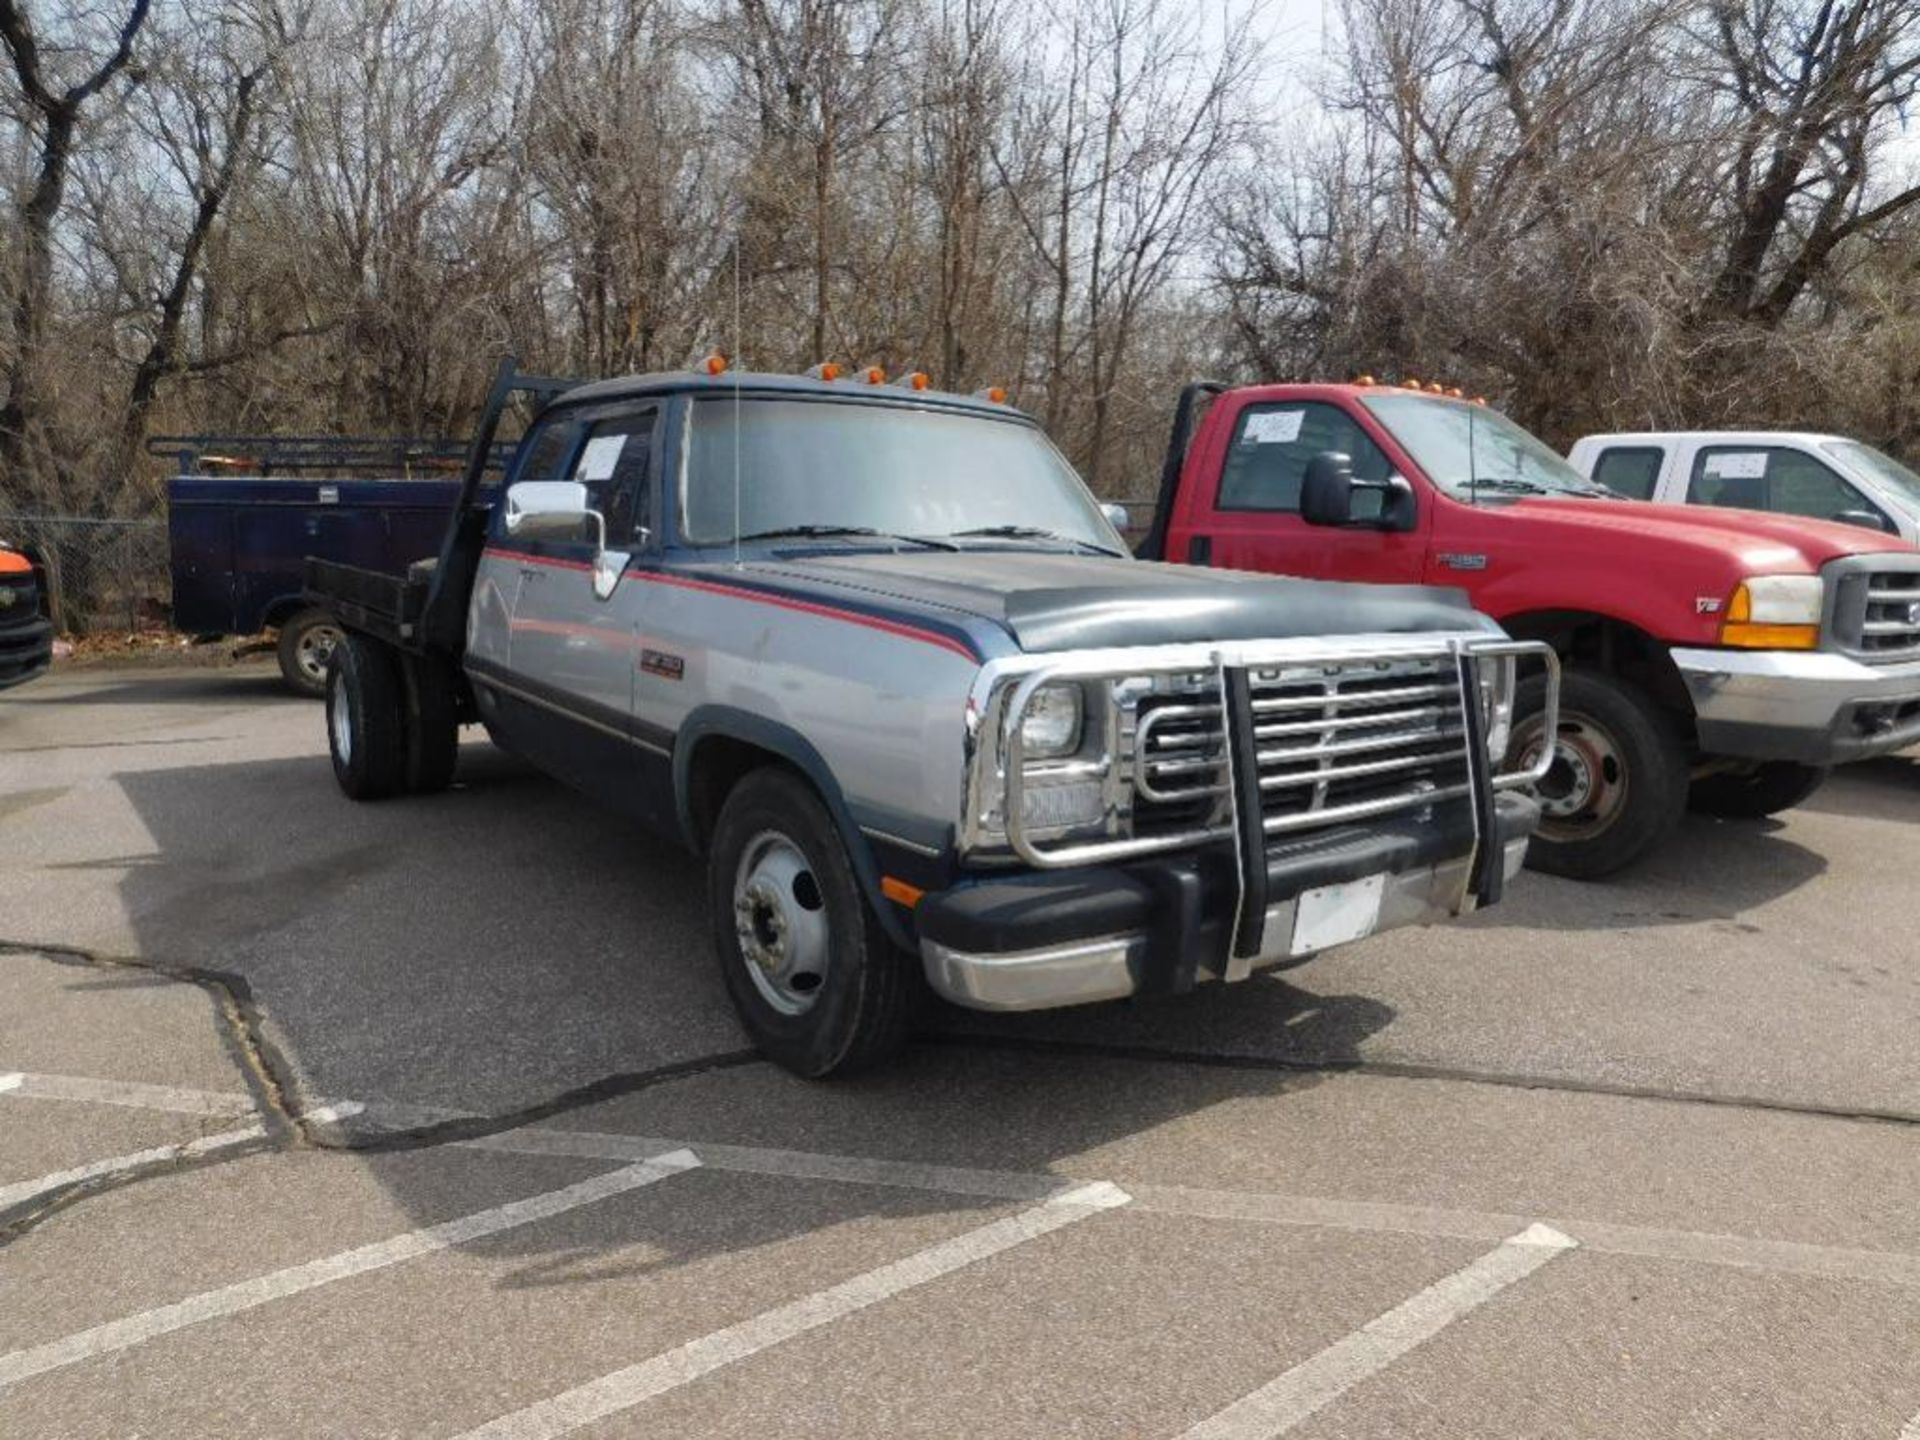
(1787,472)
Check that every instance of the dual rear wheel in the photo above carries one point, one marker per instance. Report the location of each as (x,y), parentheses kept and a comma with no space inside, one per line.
(392,720)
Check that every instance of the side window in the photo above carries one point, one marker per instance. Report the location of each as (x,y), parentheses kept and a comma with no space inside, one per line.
(1786,482)
(616,466)
(1273,443)
(1633,470)
(548,451)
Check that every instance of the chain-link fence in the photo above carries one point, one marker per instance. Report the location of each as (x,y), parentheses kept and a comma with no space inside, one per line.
(100,574)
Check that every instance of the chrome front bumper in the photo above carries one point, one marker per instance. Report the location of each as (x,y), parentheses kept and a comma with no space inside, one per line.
(1110,967)
(1814,707)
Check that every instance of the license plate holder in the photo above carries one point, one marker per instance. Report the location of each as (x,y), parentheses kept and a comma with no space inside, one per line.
(1330,915)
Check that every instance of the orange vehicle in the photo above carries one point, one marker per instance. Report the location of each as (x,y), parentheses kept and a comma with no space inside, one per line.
(26,635)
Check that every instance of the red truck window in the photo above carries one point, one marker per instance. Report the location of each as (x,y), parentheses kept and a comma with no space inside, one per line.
(1271,447)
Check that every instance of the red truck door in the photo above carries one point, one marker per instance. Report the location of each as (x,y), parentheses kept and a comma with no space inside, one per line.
(1241,508)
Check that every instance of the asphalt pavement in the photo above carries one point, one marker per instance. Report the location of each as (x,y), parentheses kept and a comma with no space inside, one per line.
(430,1118)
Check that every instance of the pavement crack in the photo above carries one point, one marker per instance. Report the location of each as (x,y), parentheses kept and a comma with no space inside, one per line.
(1423,1070)
(17,1220)
(459,1127)
(260,1067)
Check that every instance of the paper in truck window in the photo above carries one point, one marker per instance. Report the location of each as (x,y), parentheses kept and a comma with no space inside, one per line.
(1272,427)
(1742,465)
(599,458)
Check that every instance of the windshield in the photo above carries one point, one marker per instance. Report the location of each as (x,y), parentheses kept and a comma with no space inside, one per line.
(1456,442)
(1884,468)
(890,470)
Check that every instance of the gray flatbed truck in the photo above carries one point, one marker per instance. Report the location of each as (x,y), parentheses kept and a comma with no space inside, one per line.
(877,654)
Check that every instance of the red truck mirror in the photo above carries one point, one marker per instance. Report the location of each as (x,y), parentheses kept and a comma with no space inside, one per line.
(1327,496)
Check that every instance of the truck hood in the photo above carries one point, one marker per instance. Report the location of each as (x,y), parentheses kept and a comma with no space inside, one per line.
(1757,542)
(1049,601)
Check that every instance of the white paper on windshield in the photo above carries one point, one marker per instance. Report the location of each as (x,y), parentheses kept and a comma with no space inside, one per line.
(1272,427)
(599,458)
(1741,465)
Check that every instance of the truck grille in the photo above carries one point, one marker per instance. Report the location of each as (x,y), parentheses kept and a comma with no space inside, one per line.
(1892,626)
(1335,743)
(1876,609)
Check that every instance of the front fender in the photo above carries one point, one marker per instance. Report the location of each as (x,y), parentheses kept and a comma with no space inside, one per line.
(732,723)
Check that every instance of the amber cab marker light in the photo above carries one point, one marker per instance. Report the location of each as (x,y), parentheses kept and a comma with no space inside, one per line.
(825,370)
(1410,384)
(914,380)
(1365,380)
(716,365)
(874,375)
(1457,393)
(996,394)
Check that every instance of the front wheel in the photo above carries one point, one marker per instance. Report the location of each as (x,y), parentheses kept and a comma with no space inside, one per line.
(816,981)
(1766,789)
(306,646)
(1617,784)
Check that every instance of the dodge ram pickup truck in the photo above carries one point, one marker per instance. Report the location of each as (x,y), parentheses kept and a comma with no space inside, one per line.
(1715,655)
(877,654)
(26,635)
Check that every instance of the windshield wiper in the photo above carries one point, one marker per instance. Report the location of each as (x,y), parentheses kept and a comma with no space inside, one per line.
(856,532)
(1030,532)
(1512,485)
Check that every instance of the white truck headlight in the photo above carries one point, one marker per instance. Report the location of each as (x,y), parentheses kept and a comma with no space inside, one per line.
(1051,726)
(1775,612)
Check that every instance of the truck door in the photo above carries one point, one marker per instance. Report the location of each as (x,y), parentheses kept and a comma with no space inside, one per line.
(564,638)
(1248,514)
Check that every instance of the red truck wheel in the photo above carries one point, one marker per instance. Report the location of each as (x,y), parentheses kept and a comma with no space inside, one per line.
(1617,786)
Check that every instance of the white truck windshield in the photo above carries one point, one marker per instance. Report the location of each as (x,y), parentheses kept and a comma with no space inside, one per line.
(1882,467)
(821,466)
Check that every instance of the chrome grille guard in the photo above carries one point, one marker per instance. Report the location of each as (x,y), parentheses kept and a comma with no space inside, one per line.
(1461,658)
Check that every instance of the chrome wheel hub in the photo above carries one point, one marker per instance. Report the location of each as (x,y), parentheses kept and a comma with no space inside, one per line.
(342,716)
(315,650)
(1585,787)
(780,920)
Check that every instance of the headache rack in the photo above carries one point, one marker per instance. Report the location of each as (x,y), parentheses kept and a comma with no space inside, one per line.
(1266,742)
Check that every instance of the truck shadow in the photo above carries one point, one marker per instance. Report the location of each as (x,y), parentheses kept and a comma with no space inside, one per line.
(165,685)
(1884,789)
(507,943)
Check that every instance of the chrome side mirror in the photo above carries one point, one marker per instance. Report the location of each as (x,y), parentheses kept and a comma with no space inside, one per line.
(1118,516)
(560,510)
(548,509)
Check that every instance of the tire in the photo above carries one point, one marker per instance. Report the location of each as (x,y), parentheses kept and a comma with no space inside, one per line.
(1618,786)
(433,724)
(828,993)
(1767,789)
(366,719)
(307,642)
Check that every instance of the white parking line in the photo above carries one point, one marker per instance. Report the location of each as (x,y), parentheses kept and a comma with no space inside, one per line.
(1310,1386)
(128,1093)
(11,1195)
(610,1394)
(246,1294)
(12,1081)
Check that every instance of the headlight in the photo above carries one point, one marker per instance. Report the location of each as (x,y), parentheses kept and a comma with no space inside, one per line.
(1050,728)
(1775,612)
